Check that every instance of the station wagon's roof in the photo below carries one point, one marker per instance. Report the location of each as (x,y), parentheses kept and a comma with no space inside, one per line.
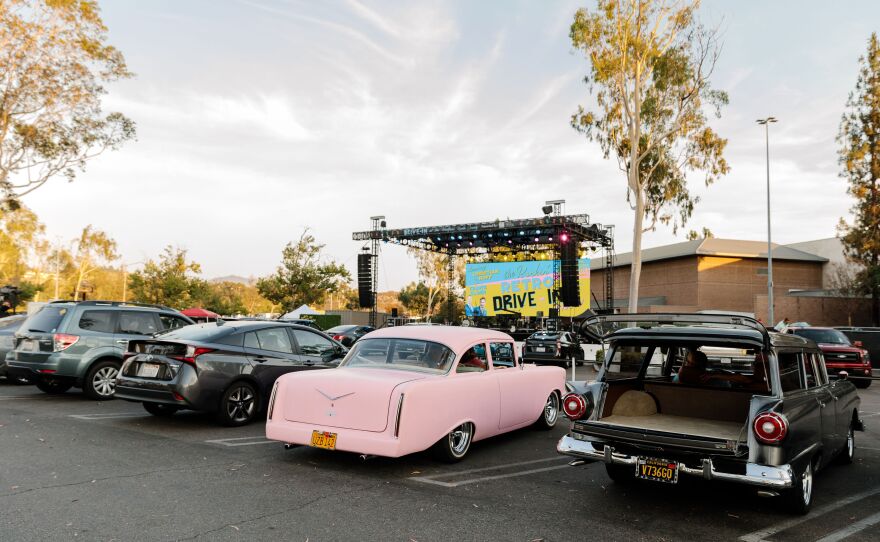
(708,333)
(456,338)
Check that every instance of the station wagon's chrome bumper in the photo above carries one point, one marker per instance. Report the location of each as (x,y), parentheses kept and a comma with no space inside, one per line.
(758,475)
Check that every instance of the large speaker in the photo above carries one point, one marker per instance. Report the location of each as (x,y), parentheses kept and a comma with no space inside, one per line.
(365,280)
(571,288)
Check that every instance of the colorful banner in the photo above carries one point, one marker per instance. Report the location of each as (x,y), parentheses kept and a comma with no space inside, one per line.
(525,288)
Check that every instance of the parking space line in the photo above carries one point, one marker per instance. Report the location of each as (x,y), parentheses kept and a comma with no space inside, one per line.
(433,478)
(760,536)
(851,529)
(92,417)
(870,415)
(237,441)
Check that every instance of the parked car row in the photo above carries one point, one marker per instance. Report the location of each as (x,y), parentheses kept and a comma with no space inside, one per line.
(712,396)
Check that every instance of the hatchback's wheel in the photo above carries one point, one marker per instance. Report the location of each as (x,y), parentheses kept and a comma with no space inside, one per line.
(622,474)
(160,409)
(53,385)
(550,414)
(100,381)
(239,405)
(799,498)
(849,447)
(454,446)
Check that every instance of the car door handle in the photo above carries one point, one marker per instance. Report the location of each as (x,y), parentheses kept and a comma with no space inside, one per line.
(261,360)
(121,341)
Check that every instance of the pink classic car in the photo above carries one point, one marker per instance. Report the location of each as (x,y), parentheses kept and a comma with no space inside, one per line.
(407,389)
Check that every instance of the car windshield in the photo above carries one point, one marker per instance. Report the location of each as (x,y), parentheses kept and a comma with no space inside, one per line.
(339,329)
(827,336)
(46,320)
(400,354)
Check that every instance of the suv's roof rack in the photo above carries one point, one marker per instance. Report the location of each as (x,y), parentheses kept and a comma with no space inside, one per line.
(650,320)
(126,304)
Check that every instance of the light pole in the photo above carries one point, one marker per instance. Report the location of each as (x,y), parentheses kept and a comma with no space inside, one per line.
(766,123)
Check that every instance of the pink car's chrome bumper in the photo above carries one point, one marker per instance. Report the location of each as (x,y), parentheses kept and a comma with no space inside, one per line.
(347,440)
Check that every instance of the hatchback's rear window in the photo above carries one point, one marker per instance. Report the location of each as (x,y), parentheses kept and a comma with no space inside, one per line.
(46,320)
(200,332)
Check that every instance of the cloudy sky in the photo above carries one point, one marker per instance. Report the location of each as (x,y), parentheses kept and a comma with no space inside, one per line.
(258,118)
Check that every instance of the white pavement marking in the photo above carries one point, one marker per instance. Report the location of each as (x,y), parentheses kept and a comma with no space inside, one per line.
(851,529)
(870,415)
(431,479)
(760,536)
(235,441)
(91,417)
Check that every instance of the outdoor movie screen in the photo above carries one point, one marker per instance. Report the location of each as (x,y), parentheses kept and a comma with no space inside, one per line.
(526,288)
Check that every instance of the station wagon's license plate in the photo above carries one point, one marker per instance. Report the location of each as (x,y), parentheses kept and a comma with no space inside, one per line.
(323,439)
(540,349)
(148,370)
(657,470)
(29,346)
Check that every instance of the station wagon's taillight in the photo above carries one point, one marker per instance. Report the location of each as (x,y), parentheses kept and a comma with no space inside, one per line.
(770,428)
(63,341)
(574,406)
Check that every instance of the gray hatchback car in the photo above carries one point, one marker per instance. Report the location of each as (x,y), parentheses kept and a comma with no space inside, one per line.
(71,343)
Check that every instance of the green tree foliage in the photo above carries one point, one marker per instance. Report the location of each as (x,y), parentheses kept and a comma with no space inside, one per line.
(93,248)
(171,281)
(650,68)
(859,153)
(224,298)
(54,64)
(302,279)
(416,296)
(19,232)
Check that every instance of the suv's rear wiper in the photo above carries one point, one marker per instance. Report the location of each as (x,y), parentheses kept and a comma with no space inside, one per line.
(38,330)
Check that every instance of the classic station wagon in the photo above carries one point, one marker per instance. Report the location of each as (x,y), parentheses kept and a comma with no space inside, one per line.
(663,407)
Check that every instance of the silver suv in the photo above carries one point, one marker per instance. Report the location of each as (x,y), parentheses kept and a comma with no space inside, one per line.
(81,344)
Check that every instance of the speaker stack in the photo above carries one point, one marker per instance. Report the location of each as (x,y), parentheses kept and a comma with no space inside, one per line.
(571,288)
(365,280)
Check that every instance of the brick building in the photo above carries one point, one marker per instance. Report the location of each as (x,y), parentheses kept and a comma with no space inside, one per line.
(730,275)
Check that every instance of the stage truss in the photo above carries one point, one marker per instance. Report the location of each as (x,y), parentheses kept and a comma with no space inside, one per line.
(498,239)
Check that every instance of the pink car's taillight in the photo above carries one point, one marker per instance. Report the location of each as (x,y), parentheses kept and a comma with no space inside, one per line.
(271,408)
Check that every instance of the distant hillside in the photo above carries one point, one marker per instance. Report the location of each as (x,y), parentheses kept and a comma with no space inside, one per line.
(234,278)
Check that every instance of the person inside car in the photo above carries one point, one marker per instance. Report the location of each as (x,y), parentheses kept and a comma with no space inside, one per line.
(471,359)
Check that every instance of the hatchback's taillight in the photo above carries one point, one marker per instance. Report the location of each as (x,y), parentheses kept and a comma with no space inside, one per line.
(338,337)
(63,341)
(770,428)
(192,352)
(574,406)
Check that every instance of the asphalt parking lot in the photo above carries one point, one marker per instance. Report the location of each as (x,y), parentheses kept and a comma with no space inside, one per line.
(72,468)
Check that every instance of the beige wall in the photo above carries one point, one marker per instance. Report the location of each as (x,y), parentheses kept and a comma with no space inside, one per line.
(818,311)
(710,283)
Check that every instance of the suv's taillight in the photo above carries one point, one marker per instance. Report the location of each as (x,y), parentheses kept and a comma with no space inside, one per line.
(574,406)
(63,341)
(770,428)
(192,352)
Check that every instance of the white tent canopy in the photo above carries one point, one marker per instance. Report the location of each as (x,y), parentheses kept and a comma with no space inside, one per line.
(298,313)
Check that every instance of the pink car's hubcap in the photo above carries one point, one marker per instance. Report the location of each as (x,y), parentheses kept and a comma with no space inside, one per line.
(460,439)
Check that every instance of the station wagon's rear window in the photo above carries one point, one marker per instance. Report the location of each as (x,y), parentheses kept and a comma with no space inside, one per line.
(400,354)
